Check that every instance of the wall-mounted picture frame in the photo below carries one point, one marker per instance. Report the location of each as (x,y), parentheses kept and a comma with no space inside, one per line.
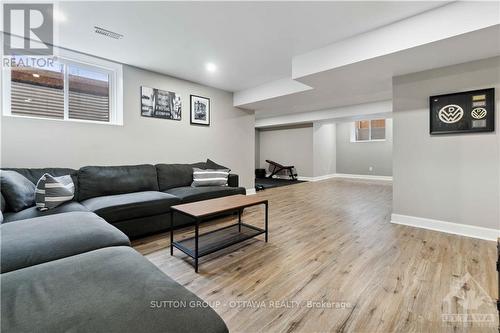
(200,110)
(157,103)
(463,112)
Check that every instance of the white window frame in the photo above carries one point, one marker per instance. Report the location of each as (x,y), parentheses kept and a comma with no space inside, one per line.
(353,131)
(112,69)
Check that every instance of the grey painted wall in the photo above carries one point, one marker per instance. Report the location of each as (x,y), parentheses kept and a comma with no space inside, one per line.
(257,148)
(357,157)
(288,145)
(229,140)
(324,148)
(453,178)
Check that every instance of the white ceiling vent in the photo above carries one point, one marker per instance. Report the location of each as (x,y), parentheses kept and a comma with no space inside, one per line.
(107,33)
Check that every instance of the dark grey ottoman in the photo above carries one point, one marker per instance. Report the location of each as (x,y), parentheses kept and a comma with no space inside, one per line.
(34,241)
(107,290)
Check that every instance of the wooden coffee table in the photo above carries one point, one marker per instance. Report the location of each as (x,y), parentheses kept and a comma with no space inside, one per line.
(215,240)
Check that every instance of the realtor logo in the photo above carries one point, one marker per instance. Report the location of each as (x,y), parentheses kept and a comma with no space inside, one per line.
(28,29)
(468,303)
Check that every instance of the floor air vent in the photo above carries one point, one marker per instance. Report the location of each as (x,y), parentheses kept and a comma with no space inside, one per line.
(107,33)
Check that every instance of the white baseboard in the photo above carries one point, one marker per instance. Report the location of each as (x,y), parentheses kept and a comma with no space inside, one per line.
(344,175)
(447,227)
(251,191)
(306,179)
(364,177)
(316,179)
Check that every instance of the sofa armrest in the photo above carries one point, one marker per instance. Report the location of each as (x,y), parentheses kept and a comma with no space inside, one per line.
(233,180)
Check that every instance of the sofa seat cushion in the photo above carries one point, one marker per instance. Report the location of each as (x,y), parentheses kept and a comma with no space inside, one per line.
(32,212)
(128,206)
(108,290)
(34,241)
(190,194)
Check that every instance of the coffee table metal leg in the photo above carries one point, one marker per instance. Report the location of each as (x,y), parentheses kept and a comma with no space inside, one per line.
(239,220)
(171,232)
(267,217)
(196,235)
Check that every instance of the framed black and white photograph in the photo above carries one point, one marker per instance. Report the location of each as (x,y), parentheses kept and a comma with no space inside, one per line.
(158,103)
(463,112)
(200,110)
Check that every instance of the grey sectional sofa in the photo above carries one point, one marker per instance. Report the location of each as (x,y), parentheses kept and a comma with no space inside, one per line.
(136,199)
(74,272)
(71,268)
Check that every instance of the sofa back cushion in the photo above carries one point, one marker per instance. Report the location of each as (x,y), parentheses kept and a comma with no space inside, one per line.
(19,192)
(34,174)
(176,175)
(209,164)
(96,181)
(3,203)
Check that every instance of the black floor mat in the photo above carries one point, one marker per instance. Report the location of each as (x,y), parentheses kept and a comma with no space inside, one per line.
(274,182)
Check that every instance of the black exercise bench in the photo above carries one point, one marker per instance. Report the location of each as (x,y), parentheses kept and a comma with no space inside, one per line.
(277,168)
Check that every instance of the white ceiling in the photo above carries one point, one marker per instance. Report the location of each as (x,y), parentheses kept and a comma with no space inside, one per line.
(360,69)
(371,80)
(250,42)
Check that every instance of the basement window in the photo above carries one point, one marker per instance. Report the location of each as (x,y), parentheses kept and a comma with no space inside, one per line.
(70,87)
(368,130)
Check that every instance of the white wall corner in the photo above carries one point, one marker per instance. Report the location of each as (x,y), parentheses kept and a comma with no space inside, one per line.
(447,227)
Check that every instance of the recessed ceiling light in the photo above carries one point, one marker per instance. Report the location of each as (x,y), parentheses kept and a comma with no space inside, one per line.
(59,16)
(211,67)
(36,75)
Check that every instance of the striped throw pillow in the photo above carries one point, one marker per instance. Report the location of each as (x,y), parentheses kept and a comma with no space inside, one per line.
(52,191)
(210,177)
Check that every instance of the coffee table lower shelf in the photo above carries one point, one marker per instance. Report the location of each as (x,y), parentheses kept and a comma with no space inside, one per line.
(219,239)
(202,244)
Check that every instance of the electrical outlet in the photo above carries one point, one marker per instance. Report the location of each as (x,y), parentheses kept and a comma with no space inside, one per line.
(370,168)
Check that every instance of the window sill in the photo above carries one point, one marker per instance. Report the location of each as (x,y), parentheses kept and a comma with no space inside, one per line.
(367,141)
(81,121)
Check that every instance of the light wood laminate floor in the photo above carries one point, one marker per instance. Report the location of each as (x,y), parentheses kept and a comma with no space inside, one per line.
(335,263)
